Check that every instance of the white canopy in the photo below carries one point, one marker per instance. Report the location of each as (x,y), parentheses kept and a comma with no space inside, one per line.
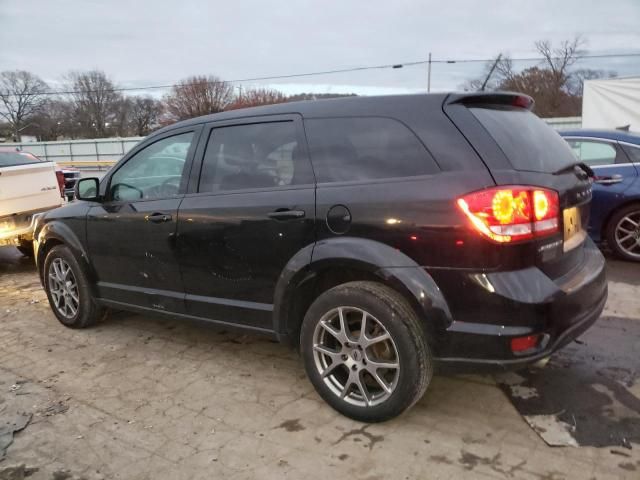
(611,103)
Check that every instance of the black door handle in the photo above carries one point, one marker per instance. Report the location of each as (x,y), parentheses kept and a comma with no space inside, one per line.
(286,214)
(158,217)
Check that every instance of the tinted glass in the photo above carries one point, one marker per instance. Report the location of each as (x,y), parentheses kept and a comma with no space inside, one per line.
(262,155)
(593,153)
(154,172)
(527,141)
(13,159)
(365,148)
(633,153)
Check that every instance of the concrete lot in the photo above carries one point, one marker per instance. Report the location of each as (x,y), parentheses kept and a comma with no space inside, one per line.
(142,398)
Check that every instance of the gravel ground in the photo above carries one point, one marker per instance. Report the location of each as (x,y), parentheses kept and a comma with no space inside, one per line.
(141,398)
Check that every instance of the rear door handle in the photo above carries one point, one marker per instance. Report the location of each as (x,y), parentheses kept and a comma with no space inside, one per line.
(158,217)
(286,214)
(608,180)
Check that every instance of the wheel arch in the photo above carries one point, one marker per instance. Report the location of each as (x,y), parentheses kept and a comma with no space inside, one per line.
(56,233)
(343,259)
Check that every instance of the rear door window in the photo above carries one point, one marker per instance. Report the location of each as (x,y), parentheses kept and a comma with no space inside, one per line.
(526,140)
(633,153)
(254,156)
(365,148)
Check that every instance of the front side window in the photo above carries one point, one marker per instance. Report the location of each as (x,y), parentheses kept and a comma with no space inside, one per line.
(365,148)
(154,172)
(261,155)
(594,153)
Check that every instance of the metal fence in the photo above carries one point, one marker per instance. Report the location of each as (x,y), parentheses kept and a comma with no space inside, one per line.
(564,123)
(96,155)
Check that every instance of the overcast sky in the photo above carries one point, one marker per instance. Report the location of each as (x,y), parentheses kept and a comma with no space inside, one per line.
(150,42)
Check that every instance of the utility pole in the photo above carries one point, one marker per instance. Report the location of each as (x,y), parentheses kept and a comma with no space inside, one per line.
(429,75)
(495,64)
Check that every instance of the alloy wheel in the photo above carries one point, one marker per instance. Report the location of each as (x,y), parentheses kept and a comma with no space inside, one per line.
(356,356)
(627,234)
(63,288)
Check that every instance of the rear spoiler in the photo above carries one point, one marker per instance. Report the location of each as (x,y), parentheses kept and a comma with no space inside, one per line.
(512,99)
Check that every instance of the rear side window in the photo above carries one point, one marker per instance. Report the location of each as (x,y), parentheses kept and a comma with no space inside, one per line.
(526,140)
(260,155)
(633,153)
(13,159)
(365,148)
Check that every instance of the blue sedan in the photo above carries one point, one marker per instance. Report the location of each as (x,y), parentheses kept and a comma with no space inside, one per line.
(614,156)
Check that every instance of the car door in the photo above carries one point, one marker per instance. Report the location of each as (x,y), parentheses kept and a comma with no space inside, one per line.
(614,175)
(131,233)
(249,211)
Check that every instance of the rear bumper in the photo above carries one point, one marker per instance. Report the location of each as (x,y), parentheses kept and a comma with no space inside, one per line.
(491,309)
(21,230)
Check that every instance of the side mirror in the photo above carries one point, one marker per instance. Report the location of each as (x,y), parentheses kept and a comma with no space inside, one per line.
(87,189)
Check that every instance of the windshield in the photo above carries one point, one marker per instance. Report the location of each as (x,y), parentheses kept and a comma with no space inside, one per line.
(13,159)
(527,141)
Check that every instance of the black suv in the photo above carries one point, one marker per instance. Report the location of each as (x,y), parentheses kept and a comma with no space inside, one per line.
(384,236)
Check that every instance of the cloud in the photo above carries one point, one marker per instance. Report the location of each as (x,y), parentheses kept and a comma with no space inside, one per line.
(161,41)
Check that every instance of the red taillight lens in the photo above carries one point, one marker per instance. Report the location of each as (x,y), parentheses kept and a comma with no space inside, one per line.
(60,177)
(509,214)
(522,344)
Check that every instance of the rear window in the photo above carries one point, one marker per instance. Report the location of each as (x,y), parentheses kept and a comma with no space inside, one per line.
(13,159)
(365,148)
(527,141)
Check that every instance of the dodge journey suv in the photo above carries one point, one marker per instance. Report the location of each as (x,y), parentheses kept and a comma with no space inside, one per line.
(385,237)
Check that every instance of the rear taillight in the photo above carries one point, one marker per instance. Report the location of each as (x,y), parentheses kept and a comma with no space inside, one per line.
(513,213)
(60,177)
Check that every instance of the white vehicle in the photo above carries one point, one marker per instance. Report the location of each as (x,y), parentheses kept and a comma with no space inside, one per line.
(28,188)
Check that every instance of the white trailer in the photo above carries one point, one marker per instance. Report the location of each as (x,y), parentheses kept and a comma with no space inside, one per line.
(612,103)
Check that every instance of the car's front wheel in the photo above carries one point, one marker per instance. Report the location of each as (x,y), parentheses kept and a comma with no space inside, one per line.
(365,351)
(623,233)
(68,290)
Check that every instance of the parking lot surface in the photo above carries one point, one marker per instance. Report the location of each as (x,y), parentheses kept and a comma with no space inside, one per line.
(142,398)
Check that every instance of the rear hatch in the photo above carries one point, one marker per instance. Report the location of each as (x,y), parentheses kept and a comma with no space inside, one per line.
(519,148)
(26,184)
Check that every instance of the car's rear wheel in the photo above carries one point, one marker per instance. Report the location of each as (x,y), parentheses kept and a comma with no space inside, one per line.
(623,233)
(68,290)
(365,352)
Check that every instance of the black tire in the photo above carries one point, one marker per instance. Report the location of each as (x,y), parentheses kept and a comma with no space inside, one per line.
(26,249)
(393,312)
(88,312)
(610,232)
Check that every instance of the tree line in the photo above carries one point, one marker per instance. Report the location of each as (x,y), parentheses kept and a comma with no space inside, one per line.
(554,84)
(91,105)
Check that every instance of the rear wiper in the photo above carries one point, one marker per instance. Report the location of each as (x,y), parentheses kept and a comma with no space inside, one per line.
(586,168)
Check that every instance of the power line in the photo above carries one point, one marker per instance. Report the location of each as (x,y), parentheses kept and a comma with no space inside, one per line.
(341,70)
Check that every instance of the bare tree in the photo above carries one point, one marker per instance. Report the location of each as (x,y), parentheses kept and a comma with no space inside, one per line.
(575,82)
(95,101)
(55,120)
(199,95)
(21,96)
(144,115)
(257,96)
(560,59)
(493,77)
